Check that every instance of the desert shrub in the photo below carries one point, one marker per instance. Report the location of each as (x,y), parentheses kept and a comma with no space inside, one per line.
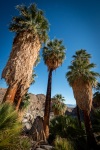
(58,105)
(10,130)
(95,117)
(63,144)
(25,101)
(96,120)
(67,127)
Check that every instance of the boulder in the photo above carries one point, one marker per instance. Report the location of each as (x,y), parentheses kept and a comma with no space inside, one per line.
(37,130)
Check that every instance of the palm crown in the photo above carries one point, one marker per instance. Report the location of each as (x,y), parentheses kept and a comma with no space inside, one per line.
(54,54)
(31,19)
(81,68)
(58,97)
(58,104)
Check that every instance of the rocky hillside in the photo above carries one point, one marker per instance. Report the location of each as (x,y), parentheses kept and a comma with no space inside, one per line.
(36,102)
(34,109)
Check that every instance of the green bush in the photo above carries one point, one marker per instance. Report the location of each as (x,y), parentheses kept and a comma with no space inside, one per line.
(62,144)
(25,101)
(67,127)
(95,117)
(10,130)
(96,120)
(58,105)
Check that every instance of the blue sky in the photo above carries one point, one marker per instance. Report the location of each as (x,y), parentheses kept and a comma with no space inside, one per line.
(76,22)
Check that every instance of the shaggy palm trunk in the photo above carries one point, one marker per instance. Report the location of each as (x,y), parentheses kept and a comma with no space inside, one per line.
(78,116)
(90,136)
(10,94)
(18,103)
(47,105)
(18,98)
(83,95)
(19,67)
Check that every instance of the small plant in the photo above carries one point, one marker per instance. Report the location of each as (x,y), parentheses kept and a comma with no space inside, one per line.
(58,106)
(25,101)
(95,117)
(67,127)
(10,130)
(62,144)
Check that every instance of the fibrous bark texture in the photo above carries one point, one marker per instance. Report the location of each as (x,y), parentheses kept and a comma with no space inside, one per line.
(47,105)
(53,63)
(83,94)
(22,59)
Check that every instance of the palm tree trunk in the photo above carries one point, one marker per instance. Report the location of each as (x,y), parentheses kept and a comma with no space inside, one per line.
(78,116)
(18,103)
(90,136)
(18,98)
(10,94)
(47,105)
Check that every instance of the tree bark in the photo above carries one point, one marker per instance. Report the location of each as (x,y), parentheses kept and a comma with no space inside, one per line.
(10,94)
(78,116)
(18,103)
(18,98)
(91,141)
(47,105)
(37,130)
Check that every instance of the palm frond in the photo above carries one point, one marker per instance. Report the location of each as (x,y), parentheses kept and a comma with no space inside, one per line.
(81,68)
(30,19)
(54,52)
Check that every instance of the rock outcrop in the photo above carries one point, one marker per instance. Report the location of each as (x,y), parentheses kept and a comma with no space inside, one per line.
(34,109)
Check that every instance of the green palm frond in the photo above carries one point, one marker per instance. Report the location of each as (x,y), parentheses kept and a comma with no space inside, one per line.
(30,19)
(23,10)
(59,97)
(58,103)
(82,53)
(96,120)
(97,86)
(89,66)
(10,130)
(81,68)
(33,77)
(54,50)
(8,116)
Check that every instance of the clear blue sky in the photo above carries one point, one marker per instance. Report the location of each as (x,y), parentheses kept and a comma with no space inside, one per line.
(76,22)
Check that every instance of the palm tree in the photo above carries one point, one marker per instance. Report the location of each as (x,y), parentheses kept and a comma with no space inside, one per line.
(82,79)
(53,55)
(31,32)
(58,105)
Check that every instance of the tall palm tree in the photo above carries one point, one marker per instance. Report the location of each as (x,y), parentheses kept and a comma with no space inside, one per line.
(82,79)
(58,105)
(53,55)
(31,31)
